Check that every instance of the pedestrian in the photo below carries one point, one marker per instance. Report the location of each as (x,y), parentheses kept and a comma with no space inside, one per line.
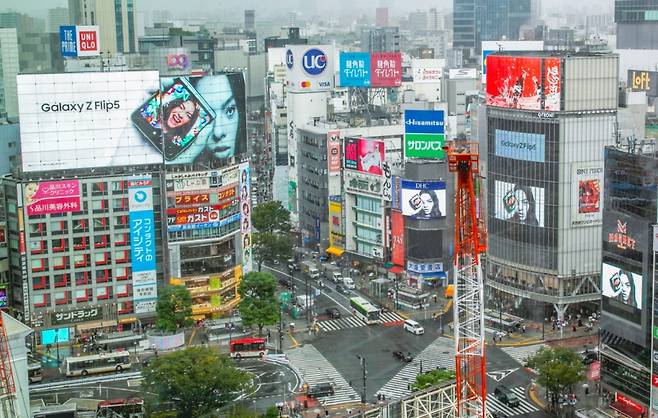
(326,412)
(436,298)
(553,326)
(574,327)
(523,328)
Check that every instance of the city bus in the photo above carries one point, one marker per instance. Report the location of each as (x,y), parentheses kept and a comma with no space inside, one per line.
(34,372)
(248,347)
(364,310)
(99,363)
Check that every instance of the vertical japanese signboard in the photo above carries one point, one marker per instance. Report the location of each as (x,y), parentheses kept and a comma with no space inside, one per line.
(142,244)
(333,152)
(397,238)
(245,217)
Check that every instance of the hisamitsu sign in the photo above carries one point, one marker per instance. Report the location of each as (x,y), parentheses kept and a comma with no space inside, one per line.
(424,134)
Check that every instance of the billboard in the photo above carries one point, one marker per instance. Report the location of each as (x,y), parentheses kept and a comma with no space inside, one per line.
(426,70)
(519,203)
(309,68)
(489,47)
(46,197)
(621,285)
(397,238)
(639,80)
(462,73)
(336,236)
(520,145)
(245,217)
(586,194)
(424,134)
(423,199)
(552,84)
(364,155)
(385,69)
(514,82)
(142,239)
(354,69)
(79,41)
(333,152)
(4,296)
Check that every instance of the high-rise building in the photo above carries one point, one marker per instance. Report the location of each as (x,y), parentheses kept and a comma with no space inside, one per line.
(418,22)
(250,21)
(637,24)
(40,52)
(115,19)
(381,39)
(544,203)
(463,23)
(9,67)
(22,22)
(381,17)
(435,22)
(59,16)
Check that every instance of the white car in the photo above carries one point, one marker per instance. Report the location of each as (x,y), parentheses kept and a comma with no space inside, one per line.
(413,327)
(349,283)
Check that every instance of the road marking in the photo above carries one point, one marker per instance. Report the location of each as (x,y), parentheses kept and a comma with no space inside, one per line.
(499,375)
(525,407)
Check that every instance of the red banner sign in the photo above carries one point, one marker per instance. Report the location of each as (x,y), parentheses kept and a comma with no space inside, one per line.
(594,372)
(628,402)
(385,69)
(397,238)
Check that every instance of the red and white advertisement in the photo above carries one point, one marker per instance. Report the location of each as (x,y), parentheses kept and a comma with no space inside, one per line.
(385,69)
(397,238)
(333,151)
(594,372)
(370,156)
(194,218)
(3,235)
(552,86)
(46,197)
(628,402)
(514,82)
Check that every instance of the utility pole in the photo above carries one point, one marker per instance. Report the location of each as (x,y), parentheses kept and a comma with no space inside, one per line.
(365,374)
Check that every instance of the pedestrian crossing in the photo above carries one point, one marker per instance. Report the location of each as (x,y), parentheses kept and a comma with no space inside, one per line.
(525,407)
(314,368)
(520,354)
(439,354)
(354,322)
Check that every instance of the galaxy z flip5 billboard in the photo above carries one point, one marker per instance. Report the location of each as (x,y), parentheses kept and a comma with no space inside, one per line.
(105,119)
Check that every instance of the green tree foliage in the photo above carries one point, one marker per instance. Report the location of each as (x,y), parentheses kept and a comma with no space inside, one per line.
(195,380)
(432,378)
(271,217)
(258,304)
(269,246)
(558,370)
(174,309)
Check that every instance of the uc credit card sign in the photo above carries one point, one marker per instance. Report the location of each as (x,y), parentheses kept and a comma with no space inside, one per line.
(354,69)
(424,134)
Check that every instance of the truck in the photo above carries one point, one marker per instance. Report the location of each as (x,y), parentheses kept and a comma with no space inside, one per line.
(332,272)
(307,265)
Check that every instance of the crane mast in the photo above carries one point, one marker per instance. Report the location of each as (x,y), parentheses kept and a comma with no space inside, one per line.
(470,243)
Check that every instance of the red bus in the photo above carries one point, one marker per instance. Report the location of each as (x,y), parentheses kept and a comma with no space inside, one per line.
(248,347)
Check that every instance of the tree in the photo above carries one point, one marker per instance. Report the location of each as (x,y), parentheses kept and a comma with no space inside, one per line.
(432,378)
(558,370)
(258,304)
(268,247)
(174,309)
(271,217)
(196,380)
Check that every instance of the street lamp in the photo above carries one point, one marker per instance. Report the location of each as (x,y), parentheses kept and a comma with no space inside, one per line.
(365,374)
(57,345)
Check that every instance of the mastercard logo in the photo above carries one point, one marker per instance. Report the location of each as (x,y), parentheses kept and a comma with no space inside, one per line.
(306,84)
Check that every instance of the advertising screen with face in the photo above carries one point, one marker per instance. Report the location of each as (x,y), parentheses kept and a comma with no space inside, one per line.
(586,194)
(423,200)
(370,156)
(519,203)
(621,285)
(514,82)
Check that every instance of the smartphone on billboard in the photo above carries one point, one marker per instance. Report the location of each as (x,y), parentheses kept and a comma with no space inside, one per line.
(172,119)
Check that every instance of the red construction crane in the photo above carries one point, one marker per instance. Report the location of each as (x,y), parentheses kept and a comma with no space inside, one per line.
(7,386)
(470,243)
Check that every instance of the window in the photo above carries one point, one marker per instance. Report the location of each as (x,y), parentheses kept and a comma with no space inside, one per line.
(82,278)
(98,188)
(59,263)
(38,264)
(61,280)
(124,308)
(40,282)
(63,298)
(103,293)
(99,206)
(80,225)
(120,203)
(100,241)
(58,227)
(118,186)
(38,228)
(100,224)
(79,243)
(81,260)
(101,258)
(102,276)
(121,220)
(40,301)
(122,273)
(83,295)
(123,290)
(121,256)
(59,245)
(37,247)
(121,239)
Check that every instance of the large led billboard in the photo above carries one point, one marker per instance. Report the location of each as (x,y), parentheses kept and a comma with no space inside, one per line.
(364,155)
(586,194)
(309,68)
(552,84)
(519,203)
(87,120)
(520,145)
(621,285)
(59,196)
(514,82)
(397,238)
(423,199)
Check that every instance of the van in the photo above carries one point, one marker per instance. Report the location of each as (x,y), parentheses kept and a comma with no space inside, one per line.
(321,389)
(314,273)
(349,283)
(413,327)
(336,277)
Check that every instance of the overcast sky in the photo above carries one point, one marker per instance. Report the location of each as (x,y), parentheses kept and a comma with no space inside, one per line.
(265,8)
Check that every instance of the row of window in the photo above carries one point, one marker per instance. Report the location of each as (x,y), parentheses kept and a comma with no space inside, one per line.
(80,260)
(81,296)
(80,278)
(78,243)
(77,225)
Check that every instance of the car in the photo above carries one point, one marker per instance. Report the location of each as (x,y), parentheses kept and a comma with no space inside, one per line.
(413,327)
(342,289)
(496,414)
(506,396)
(400,355)
(348,283)
(288,283)
(333,312)
(293,267)
(589,357)
(319,390)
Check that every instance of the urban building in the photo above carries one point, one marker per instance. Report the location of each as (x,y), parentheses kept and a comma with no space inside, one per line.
(418,22)
(464,36)
(40,53)
(637,24)
(385,39)
(250,21)
(292,38)
(9,68)
(628,293)
(460,91)
(544,165)
(381,17)
(22,22)
(116,21)
(9,142)
(58,16)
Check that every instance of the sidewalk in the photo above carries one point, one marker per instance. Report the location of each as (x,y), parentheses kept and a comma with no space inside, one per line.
(588,401)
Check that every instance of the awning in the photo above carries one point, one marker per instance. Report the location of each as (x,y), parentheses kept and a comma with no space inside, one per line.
(96,324)
(626,410)
(388,265)
(396,269)
(335,251)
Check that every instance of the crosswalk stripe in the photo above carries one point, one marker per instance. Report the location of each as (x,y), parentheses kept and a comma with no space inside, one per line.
(354,322)
(520,354)
(525,407)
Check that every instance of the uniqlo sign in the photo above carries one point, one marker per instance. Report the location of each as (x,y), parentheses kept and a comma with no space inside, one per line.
(79,41)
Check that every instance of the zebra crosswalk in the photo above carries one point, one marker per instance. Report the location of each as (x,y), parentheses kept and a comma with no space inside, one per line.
(314,368)
(354,322)
(525,407)
(439,354)
(520,354)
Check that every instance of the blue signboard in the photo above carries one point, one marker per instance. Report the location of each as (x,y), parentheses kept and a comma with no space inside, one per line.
(424,121)
(484,62)
(520,145)
(54,336)
(354,69)
(217,224)
(68,39)
(142,225)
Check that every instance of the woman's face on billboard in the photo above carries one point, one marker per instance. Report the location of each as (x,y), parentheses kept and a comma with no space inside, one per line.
(522,205)
(221,140)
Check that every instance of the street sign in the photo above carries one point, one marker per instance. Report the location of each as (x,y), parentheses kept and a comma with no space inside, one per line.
(424,134)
